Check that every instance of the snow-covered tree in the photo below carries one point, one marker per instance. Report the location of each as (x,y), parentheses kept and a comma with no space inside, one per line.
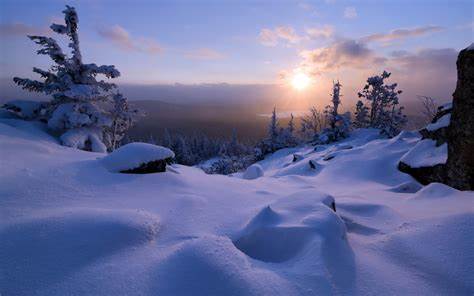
(361,115)
(123,117)
(312,123)
(291,124)
(338,125)
(273,130)
(83,109)
(287,135)
(385,112)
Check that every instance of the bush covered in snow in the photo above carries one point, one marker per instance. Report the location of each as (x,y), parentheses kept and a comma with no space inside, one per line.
(384,112)
(84,109)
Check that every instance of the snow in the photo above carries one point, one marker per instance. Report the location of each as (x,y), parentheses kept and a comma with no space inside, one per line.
(133,155)
(253,172)
(69,226)
(26,109)
(440,123)
(426,154)
(446,106)
(80,138)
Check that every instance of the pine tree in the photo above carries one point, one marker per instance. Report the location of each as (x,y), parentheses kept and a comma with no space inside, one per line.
(361,115)
(273,130)
(291,124)
(385,113)
(338,125)
(82,109)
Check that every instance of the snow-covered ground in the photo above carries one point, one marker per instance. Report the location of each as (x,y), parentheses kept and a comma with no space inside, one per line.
(68,226)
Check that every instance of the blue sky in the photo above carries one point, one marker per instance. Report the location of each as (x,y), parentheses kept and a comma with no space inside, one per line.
(242,42)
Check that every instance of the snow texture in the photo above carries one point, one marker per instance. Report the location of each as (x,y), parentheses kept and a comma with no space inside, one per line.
(25,109)
(84,138)
(70,227)
(133,155)
(440,123)
(253,172)
(426,154)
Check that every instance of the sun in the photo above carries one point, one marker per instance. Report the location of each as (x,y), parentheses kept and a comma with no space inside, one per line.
(300,81)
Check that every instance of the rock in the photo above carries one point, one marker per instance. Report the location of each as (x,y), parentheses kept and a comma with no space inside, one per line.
(328,157)
(312,164)
(157,166)
(460,164)
(253,172)
(297,157)
(138,158)
(458,171)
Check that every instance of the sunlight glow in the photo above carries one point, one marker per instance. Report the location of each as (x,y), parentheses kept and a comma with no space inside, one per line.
(300,81)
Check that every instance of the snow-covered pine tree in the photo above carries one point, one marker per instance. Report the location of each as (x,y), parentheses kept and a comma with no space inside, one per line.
(361,115)
(338,125)
(287,135)
(274,131)
(385,112)
(291,124)
(82,109)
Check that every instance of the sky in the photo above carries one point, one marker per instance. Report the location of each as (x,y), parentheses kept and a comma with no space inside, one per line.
(252,43)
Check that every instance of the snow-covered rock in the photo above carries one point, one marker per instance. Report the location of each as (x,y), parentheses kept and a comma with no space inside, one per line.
(138,158)
(253,172)
(426,154)
(440,123)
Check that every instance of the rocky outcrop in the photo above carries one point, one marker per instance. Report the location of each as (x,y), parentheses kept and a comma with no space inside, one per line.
(460,164)
(157,166)
(453,124)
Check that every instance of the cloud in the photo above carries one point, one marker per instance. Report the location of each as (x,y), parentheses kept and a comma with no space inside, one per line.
(341,53)
(402,34)
(325,31)
(427,59)
(120,37)
(350,12)
(204,54)
(269,37)
(20,29)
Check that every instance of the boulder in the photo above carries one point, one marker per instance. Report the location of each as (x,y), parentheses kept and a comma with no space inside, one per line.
(460,164)
(138,158)
(453,125)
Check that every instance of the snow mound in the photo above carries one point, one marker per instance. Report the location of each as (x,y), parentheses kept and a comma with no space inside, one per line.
(133,155)
(253,172)
(211,265)
(426,154)
(440,123)
(44,250)
(283,230)
(407,187)
(435,190)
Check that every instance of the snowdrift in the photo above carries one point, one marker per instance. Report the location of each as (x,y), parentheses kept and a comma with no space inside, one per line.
(354,225)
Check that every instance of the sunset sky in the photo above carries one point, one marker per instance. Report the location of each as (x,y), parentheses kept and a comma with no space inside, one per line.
(253,42)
